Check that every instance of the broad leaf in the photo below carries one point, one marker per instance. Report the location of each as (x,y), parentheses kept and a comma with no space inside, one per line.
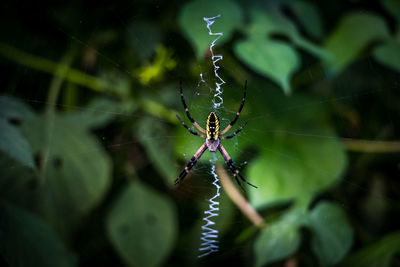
(354,32)
(142,226)
(269,21)
(12,142)
(332,234)
(149,132)
(77,172)
(26,240)
(295,168)
(279,240)
(297,153)
(274,60)
(191,19)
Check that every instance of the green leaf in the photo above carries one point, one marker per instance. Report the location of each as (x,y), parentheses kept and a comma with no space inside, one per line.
(271,21)
(297,153)
(142,226)
(279,240)
(191,19)
(389,54)
(295,167)
(308,16)
(77,171)
(332,234)
(379,253)
(26,240)
(354,32)
(275,60)
(12,142)
(149,132)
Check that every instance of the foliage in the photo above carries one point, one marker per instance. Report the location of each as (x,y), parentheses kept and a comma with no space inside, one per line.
(90,145)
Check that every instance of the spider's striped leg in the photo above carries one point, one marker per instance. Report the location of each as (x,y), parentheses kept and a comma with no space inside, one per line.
(187,111)
(191,163)
(237,113)
(235,133)
(187,127)
(232,166)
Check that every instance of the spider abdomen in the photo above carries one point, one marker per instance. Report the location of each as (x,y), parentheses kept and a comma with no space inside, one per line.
(212,126)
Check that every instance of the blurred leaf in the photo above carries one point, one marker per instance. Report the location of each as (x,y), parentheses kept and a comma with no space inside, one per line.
(26,240)
(295,168)
(152,134)
(389,54)
(269,21)
(16,159)
(379,253)
(17,181)
(393,7)
(13,109)
(14,144)
(142,226)
(274,60)
(280,239)
(298,155)
(308,15)
(191,19)
(354,32)
(332,234)
(77,172)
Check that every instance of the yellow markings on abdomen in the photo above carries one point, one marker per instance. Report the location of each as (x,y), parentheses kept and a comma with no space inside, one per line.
(212,127)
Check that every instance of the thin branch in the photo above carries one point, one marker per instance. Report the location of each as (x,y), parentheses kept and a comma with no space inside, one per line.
(54,91)
(239,199)
(45,65)
(372,146)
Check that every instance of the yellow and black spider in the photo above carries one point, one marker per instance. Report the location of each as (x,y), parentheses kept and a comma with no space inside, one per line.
(213,137)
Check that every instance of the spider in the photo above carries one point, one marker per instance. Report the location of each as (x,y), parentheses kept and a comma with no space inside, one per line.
(213,135)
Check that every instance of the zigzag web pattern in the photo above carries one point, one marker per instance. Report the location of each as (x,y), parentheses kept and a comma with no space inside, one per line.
(209,233)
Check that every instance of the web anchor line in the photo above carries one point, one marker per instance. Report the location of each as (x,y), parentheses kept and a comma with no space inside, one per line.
(209,233)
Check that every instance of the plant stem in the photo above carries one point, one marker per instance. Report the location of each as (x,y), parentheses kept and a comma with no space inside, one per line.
(48,66)
(60,73)
(372,146)
(239,199)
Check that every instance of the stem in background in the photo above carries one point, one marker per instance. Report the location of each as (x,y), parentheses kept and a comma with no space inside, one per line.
(75,76)
(60,73)
(372,146)
(239,199)
(48,66)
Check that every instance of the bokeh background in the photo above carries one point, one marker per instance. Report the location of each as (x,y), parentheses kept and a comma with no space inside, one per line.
(90,145)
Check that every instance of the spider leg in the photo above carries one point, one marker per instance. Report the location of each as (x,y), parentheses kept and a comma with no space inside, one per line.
(191,163)
(187,127)
(235,133)
(232,166)
(187,111)
(237,113)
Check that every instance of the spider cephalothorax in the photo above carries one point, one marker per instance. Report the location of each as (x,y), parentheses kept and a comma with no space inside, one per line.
(213,137)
